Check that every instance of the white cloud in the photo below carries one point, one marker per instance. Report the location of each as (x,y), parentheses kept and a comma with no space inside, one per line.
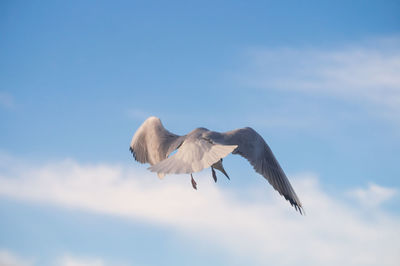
(68,260)
(258,225)
(8,258)
(373,195)
(367,73)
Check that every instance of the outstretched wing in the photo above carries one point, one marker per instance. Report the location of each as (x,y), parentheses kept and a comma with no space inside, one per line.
(253,147)
(152,143)
(193,155)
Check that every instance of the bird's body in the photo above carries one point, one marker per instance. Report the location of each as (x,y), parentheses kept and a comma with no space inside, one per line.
(203,148)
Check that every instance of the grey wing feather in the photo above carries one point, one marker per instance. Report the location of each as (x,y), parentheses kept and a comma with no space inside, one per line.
(253,147)
(152,143)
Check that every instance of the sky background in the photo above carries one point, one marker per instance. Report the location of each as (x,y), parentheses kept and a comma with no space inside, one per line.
(319,80)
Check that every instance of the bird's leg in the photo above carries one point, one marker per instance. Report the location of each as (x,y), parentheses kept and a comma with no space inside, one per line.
(213,174)
(194,184)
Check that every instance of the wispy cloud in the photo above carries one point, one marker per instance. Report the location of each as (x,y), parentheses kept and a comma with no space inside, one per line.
(8,258)
(68,260)
(366,73)
(261,228)
(374,195)
(6,100)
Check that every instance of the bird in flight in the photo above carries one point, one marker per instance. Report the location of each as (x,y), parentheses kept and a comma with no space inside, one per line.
(203,148)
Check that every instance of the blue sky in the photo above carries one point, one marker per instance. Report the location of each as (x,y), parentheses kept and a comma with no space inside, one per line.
(318,80)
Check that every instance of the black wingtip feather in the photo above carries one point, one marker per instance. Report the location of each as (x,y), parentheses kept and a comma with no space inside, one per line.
(133,154)
(294,204)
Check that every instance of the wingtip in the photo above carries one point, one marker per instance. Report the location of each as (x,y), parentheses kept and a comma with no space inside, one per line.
(299,208)
(134,155)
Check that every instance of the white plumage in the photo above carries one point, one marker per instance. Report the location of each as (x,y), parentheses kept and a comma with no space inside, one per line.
(203,148)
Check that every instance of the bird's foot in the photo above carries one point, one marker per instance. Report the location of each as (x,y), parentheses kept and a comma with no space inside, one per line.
(227,176)
(213,174)
(218,165)
(194,184)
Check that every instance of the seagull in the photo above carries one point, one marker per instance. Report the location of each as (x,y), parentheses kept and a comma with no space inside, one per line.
(168,153)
